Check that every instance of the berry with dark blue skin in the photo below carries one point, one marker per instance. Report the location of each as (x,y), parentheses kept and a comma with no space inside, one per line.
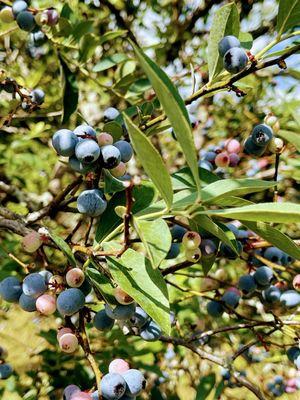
(38,96)
(208,248)
(214,308)
(233,229)
(125,150)
(135,382)
(290,298)
(273,254)
(91,203)
(235,60)
(226,375)
(10,289)
(247,284)
(151,332)
(173,252)
(5,371)
(34,285)
(261,135)
(47,275)
(227,43)
(38,38)
(111,156)
(102,321)
(252,149)
(19,6)
(87,151)
(293,353)
(177,233)
(110,114)
(231,299)
(113,386)
(120,312)
(85,287)
(80,167)
(84,129)
(64,142)
(70,301)
(286,259)
(210,156)
(27,303)
(205,165)
(263,276)
(26,21)
(139,318)
(271,294)
(227,252)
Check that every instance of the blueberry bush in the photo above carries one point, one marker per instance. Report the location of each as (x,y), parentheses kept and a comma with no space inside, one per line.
(149,216)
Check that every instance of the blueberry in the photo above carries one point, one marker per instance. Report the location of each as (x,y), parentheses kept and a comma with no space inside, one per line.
(10,289)
(85,129)
(34,285)
(227,252)
(135,382)
(226,375)
(290,298)
(91,202)
(5,371)
(19,6)
(286,259)
(120,312)
(208,248)
(210,156)
(70,301)
(151,332)
(111,156)
(125,150)
(252,149)
(271,294)
(214,308)
(231,299)
(205,165)
(111,113)
(86,287)
(64,142)
(27,303)
(113,386)
(26,21)
(177,233)
(227,43)
(263,276)
(102,321)
(233,229)
(38,96)
(139,318)
(261,135)
(87,151)
(234,159)
(235,60)
(292,353)
(38,38)
(78,166)
(247,284)
(69,391)
(174,251)
(273,254)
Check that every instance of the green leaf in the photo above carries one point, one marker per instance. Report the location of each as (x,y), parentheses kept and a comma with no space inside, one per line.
(151,161)
(70,92)
(274,236)
(174,108)
(111,35)
(288,15)
(64,247)
(291,137)
(81,28)
(205,386)
(207,263)
(112,184)
(101,284)
(110,61)
(135,275)
(225,22)
(156,238)
(114,129)
(233,187)
(246,40)
(183,179)
(87,46)
(267,212)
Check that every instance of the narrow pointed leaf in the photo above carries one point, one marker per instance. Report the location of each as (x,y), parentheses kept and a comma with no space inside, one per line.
(288,15)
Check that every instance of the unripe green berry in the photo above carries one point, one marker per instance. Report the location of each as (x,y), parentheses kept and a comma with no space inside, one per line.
(191,240)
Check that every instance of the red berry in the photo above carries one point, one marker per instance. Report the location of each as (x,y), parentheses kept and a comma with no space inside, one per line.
(222,160)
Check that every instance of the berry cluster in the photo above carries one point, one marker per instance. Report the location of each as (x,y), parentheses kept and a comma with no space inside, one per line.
(235,58)
(278,386)
(5,368)
(222,157)
(121,382)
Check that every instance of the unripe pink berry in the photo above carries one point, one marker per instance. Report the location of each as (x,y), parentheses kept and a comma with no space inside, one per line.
(81,396)
(31,242)
(234,159)
(69,391)
(104,139)
(191,240)
(296,282)
(119,170)
(63,331)
(118,366)
(222,160)
(122,297)
(68,343)
(233,146)
(75,277)
(46,304)
(52,17)
(193,255)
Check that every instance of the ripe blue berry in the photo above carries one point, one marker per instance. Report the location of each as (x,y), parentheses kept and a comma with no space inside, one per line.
(205,165)
(271,294)
(135,382)
(290,298)
(286,259)
(111,156)
(125,150)
(64,142)
(227,43)
(78,166)
(233,229)
(38,96)
(34,285)
(261,135)
(19,6)
(293,353)
(26,21)
(120,312)
(27,303)
(214,308)
(70,301)
(113,386)
(208,248)
(174,251)
(252,149)
(273,254)
(235,60)
(263,276)
(38,38)
(5,371)
(86,287)
(227,252)
(210,156)
(84,129)
(139,318)
(10,289)
(177,233)
(151,332)
(102,321)
(247,284)
(111,113)
(231,299)
(87,151)
(91,202)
